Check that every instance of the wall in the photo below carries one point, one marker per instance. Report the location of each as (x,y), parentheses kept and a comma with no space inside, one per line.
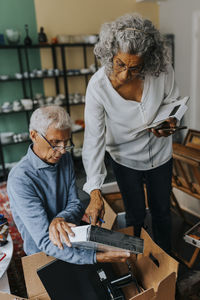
(178,17)
(15,14)
(181,24)
(81,17)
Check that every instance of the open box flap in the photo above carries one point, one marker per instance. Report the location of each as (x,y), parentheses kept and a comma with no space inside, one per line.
(6,296)
(146,295)
(154,265)
(167,288)
(30,265)
(109,216)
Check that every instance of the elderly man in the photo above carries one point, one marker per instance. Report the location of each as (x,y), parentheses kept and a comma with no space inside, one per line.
(42,192)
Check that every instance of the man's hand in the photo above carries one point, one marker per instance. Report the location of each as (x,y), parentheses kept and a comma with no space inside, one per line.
(112,256)
(59,227)
(168,128)
(95,209)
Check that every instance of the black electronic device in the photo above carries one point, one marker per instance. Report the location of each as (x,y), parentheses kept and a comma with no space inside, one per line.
(65,281)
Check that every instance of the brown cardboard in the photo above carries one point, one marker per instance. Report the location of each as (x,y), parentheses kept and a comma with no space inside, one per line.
(5,296)
(33,284)
(158,282)
(109,216)
(115,202)
(162,279)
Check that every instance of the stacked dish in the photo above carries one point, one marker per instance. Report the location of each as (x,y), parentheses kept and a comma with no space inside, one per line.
(6,137)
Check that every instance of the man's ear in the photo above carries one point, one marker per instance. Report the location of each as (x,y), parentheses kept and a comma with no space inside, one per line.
(33,135)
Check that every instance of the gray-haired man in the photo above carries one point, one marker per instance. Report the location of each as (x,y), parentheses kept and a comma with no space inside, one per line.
(42,191)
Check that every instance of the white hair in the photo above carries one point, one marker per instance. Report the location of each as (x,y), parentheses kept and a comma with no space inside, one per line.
(43,117)
(133,34)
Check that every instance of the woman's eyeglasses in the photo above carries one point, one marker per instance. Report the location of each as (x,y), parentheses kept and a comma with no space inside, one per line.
(57,147)
(119,66)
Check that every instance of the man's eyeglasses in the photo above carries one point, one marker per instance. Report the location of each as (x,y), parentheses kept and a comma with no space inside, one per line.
(57,147)
(120,66)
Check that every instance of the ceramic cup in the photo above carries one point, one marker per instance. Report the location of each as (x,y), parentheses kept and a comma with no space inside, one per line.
(27,103)
(17,106)
(13,36)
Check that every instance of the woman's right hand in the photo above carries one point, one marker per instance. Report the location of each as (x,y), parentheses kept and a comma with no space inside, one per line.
(168,124)
(112,256)
(95,209)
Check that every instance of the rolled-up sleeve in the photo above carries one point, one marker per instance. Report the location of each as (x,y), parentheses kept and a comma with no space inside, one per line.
(94,141)
(30,209)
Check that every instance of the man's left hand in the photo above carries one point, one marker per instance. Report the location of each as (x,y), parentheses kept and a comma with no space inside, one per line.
(60,228)
(95,210)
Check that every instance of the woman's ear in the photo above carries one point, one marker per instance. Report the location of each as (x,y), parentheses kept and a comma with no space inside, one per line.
(33,135)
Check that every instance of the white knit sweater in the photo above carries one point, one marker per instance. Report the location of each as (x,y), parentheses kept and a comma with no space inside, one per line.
(110,122)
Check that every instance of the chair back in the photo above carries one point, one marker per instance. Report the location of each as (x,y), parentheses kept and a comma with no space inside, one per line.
(186,167)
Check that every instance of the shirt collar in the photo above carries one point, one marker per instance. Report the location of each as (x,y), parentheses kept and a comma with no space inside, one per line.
(37,162)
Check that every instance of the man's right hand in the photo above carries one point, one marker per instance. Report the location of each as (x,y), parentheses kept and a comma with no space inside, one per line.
(60,228)
(95,209)
(112,256)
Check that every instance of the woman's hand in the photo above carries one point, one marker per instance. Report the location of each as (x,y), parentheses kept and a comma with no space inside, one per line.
(112,256)
(95,209)
(165,129)
(60,228)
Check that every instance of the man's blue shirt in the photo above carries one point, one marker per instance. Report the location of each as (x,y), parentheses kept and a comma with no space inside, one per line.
(39,192)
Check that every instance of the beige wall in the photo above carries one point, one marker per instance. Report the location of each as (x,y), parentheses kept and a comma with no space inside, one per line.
(81,17)
(86,16)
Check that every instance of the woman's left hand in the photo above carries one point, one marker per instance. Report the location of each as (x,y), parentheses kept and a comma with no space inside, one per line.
(165,129)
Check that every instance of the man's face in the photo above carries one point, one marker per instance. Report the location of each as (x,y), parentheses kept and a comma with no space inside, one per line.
(56,137)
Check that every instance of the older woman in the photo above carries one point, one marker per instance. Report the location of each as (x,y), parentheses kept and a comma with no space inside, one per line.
(135,79)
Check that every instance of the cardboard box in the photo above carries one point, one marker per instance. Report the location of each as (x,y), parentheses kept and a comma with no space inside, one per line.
(155,271)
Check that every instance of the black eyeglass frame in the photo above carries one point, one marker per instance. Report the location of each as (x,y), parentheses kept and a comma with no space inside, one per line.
(58,148)
(124,67)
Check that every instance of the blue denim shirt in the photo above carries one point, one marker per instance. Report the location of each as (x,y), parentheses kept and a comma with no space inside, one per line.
(39,192)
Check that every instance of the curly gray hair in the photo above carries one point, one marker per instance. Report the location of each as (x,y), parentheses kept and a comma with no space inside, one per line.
(134,35)
(43,117)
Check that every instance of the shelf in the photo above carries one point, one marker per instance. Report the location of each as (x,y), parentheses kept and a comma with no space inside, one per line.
(77,131)
(13,143)
(16,112)
(45,77)
(59,55)
(47,46)
(29,140)
(31,110)
(79,103)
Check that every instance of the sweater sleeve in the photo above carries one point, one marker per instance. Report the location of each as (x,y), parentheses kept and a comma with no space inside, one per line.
(94,141)
(73,211)
(30,209)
